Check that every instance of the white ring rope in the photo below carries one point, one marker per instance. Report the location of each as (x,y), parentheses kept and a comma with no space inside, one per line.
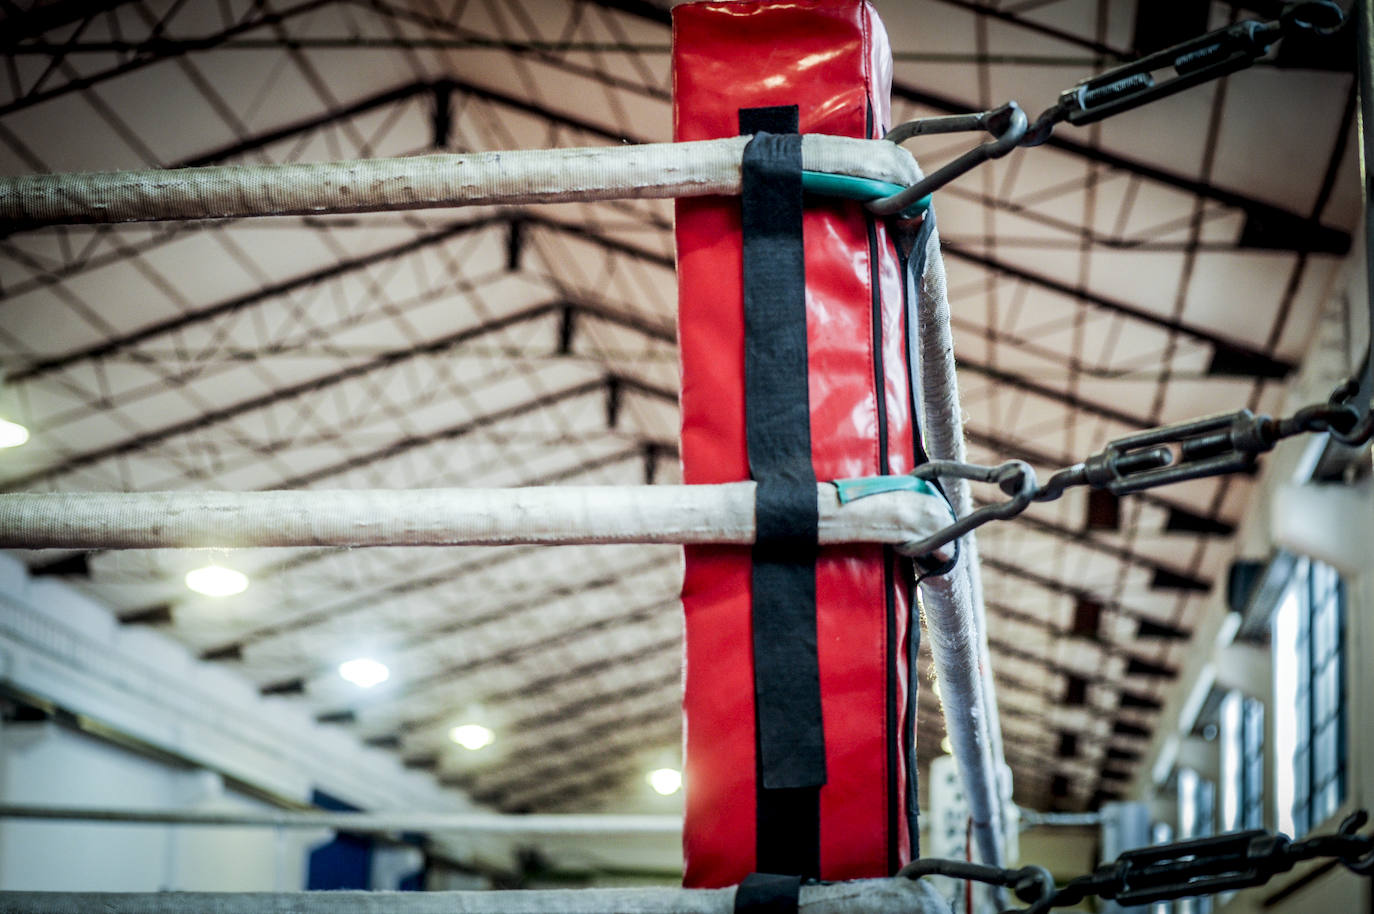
(363,822)
(953,602)
(546,515)
(421,182)
(864,896)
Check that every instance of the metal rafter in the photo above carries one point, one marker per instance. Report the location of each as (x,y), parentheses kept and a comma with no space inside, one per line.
(264,19)
(388,359)
(1262,364)
(1081,537)
(20,26)
(423,638)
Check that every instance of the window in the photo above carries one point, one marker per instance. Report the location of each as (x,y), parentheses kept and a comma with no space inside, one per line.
(1242,762)
(1195,801)
(1162,833)
(1309,687)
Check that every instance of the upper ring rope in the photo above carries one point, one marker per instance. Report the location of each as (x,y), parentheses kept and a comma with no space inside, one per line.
(651,170)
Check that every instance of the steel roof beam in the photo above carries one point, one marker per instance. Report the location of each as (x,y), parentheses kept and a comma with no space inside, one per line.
(264,18)
(571,710)
(1263,364)
(20,25)
(444,677)
(1186,580)
(1322,238)
(1017,652)
(568,713)
(1054,585)
(556,680)
(539,600)
(1022,383)
(1060,35)
(573,753)
(1107,647)
(609,778)
(314,385)
(660,332)
(238,303)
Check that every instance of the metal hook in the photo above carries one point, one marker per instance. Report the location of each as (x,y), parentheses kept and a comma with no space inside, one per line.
(1007,123)
(1015,478)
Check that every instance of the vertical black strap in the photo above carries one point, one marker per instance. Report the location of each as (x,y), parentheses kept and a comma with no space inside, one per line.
(790,738)
(766,893)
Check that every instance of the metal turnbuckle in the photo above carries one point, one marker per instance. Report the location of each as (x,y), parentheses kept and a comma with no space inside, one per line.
(1192,62)
(1205,866)
(1210,446)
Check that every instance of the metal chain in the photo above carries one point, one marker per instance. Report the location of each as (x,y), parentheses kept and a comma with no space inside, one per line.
(1200,866)
(1210,446)
(1195,61)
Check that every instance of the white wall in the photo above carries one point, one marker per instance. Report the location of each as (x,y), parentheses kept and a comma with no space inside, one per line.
(1333,522)
(45,763)
(70,652)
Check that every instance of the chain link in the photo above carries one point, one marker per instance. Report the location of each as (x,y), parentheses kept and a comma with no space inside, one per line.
(1210,446)
(1200,866)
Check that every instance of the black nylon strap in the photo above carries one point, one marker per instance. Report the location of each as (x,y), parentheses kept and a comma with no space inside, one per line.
(766,893)
(789,735)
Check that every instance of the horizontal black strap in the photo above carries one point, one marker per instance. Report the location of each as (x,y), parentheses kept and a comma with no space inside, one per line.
(767,893)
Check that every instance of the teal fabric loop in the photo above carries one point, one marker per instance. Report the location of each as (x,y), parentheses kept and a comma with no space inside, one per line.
(863,486)
(849,187)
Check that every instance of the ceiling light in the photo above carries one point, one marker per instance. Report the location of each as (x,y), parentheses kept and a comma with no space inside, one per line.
(12,434)
(666,781)
(472,736)
(946,746)
(364,672)
(215,581)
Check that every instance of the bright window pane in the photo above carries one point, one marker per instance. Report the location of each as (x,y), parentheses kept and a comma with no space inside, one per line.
(1232,761)
(1309,698)
(1285,642)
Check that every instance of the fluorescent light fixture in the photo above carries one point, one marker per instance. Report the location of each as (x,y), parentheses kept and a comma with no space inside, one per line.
(1229,627)
(1164,763)
(665,781)
(472,736)
(216,581)
(1286,662)
(1231,760)
(1192,706)
(12,434)
(364,672)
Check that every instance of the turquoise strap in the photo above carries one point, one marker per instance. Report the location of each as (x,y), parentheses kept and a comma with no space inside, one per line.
(849,187)
(864,486)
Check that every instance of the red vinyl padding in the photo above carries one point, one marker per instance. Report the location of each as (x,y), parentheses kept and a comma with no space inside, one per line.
(831,58)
